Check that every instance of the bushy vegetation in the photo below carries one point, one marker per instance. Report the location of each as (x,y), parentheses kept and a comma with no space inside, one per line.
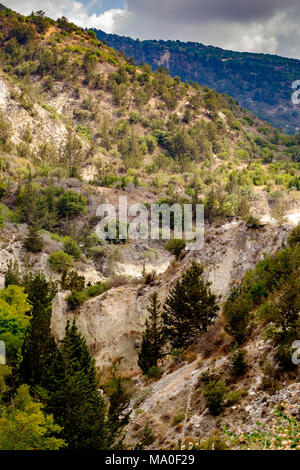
(281,434)
(47,206)
(71,248)
(271,289)
(214,392)
(60,261)
(175,247)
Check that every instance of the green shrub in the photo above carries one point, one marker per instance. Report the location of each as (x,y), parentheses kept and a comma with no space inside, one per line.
(214,442)
(92,34)
(233,397)
(175,246)
(109,180)
(154,372)
(3,189)
(134,117)
(252,222)
(71,204)
(60,261)
(33,241)
(71,248)
(178,418)
(5,129)
(21,31)
(236,125)
(283,433)
(151,143)
(294,237)
(236,312)
(12,275)
(147,438)
(84,132)
(75,299)
(149,277)
(72,281)
(238,362)
(97,289)
(214,391)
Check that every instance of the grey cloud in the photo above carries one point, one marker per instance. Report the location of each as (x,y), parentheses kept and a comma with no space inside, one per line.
(210,10)
(268,26)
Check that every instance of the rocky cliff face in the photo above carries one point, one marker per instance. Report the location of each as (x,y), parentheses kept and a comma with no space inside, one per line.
(113,322)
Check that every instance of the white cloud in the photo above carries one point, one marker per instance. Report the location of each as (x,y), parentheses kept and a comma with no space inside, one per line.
(105,21)
(75,11)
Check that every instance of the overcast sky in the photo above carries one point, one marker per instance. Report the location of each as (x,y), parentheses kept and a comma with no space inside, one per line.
(270,26)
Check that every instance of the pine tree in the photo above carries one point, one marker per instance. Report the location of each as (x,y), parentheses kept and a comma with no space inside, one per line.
(71,153)
(153,337)
(27,201)
(118,412)
(104,132)
(39,348)
(12,276)
(33,241)
(73,395)
(48,212)
(190,308)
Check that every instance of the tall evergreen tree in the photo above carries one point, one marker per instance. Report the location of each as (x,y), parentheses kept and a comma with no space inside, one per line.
(73,395)
(71,153)
(118,412)
(27,201)
(13,275)
(33,241)
(190,308)
(39,348)
(153,337)
(48,212)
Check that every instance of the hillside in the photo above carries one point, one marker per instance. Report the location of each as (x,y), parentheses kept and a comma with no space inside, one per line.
(81,126)
(259,82)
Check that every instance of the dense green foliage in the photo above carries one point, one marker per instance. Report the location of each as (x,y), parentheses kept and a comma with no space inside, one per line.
(39,346)
(214,392)
(24,425)
(272,290)
(23,421)
(189,308)
(33,242)
(153,342)
(73,396)
(72,411)
(175,247)
(60,261)
(15,315)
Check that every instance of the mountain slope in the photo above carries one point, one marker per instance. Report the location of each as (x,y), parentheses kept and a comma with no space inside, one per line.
(260,82)
(81,126)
